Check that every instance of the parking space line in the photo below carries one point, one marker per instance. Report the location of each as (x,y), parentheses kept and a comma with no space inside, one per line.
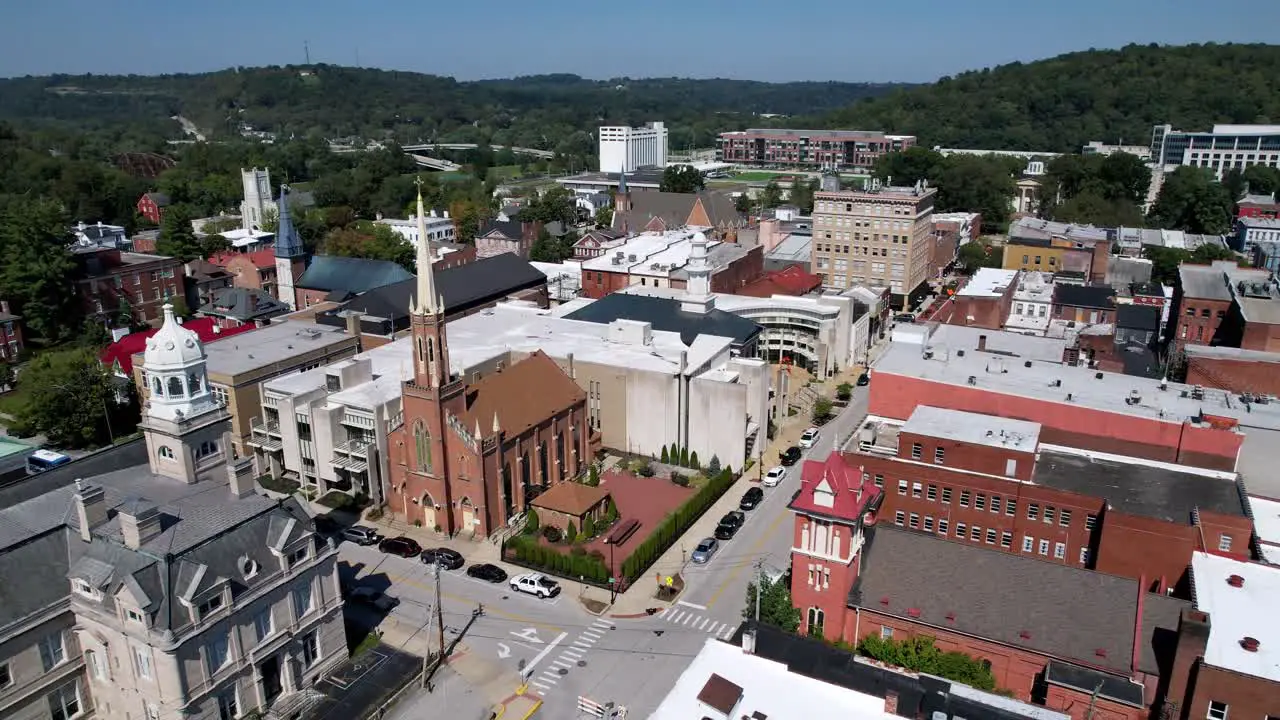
(540,685)
(560,663)
(547,677)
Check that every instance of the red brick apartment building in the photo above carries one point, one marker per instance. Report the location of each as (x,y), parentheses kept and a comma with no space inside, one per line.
(808,148)
(659,260)
(1089,644)
(110,279)
(984,301)
(1247,372)
(11,342)
(1075,406)
(989,481)
(1259,206)
(1226,305)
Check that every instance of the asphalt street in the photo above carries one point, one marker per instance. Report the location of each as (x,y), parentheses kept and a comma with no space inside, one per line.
(566,652)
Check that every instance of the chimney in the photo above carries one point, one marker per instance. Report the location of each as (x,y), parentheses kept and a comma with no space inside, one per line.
(240,471)
(1193,638)
(353,329)
(569,359)
(91,508)
(139,522)
(891,703)
(982,342)
(749,640)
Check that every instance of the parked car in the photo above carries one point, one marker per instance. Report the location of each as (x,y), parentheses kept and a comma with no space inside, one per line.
(375,599)
(790,456)
(775,476)
(751,498)
(702,554)
(448,559)
(402,546)
(809,437)
(361,535)
(730,524)
(536,584)
(863,379)
(487,572)
(904,318)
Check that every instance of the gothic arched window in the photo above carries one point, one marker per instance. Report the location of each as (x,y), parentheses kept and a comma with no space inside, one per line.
(165,452)
(175,387)
(422,446)
(156,387)
(193,383)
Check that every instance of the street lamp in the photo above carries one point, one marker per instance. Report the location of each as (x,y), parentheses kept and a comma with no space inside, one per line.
(613,577)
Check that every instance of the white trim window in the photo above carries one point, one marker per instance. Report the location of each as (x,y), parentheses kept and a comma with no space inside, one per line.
(1217,710)
(303,600)
(229,704)
(142,664)
(83,588)
(64,703)
(218,652)
(97,665)
(311,648)
(263,624)
(53,650)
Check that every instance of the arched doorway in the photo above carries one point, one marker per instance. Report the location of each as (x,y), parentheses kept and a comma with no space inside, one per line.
(468,514)
(428,511)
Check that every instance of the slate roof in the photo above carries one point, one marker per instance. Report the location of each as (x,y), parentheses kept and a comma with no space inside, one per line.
(510,229)
(345,276)
(1160,493)
(674,209)
(1057,610)
(665,314)
(244,304)
(1138,317)
(1101,297)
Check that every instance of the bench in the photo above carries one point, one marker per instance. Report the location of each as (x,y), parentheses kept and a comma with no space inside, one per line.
(623,531)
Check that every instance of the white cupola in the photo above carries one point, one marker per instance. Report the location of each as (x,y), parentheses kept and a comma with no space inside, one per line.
(175,370)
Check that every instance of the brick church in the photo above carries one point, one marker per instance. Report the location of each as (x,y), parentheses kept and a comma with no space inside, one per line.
(470,456)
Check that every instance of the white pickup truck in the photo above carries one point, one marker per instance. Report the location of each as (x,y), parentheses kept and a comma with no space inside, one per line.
(535,584)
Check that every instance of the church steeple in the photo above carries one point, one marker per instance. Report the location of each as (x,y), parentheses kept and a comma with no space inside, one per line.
(427,301)
(426,316)
(288,244)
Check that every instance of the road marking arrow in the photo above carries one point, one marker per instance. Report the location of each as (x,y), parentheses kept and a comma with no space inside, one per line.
(530,634)
(504,652)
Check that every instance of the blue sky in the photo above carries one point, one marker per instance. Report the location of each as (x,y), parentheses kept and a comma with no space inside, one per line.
(850,40)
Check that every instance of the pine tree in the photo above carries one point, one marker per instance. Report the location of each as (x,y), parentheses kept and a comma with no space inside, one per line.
(693,460)
(571,532)
(684,457)
(666,457)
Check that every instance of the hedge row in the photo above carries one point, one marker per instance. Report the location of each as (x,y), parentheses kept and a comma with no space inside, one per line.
(577,564)
(675,524)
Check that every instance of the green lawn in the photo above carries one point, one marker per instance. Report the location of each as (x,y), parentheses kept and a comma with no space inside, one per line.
(10,402)
(757,175)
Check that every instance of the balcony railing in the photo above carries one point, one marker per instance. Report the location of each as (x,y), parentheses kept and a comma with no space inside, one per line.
(353,448)
(264,427)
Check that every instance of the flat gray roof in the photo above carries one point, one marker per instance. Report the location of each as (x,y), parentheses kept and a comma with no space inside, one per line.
(269,345)
(999,342)
(973,428)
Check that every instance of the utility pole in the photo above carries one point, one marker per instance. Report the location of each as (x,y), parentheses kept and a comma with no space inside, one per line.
(426,657)
(439,613)
(759,586)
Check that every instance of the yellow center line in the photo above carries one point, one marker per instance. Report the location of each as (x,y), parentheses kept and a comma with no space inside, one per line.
(768,533)
(488,610)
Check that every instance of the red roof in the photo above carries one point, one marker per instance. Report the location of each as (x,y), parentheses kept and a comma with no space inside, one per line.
(262,259)
(831,488)
(121,352)
(789,281)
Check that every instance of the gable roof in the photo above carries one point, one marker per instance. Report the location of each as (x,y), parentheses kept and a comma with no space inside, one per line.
(850,496)
(666,314)
(123,350)
(244,304)
(1058,610)
(261,259)
(571,498)
(1101,297)
(159,198)
(522,396)
(511,229)
(350,276)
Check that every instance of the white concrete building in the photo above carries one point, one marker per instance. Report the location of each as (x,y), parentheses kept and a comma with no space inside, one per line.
(624,149)
(1226,147)
(1032,304)
(1257,230)
(258,204)
(439,228)
(1098,147)
(646,389)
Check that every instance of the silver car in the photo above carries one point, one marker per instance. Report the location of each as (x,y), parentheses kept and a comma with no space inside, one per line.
(702,554)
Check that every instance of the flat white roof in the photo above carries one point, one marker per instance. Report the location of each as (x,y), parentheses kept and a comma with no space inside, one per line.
(745,303)
(767,687)
(1266,523)
(1236,613)
(643,247)
(1015,346)
(974,429)
(988,282)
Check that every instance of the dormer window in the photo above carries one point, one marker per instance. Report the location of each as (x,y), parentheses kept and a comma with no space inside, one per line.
(209,606)
(82,587)
(297,556)
(135,616)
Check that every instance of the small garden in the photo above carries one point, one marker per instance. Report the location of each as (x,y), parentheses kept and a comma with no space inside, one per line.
(339,500)
(675,524)
(546,547)
(281,484)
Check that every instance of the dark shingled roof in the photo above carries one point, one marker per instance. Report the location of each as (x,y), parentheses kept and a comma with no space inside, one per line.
(1138,317)
(346,276)
(1061,611)
(511,229)
(243,304)
(1154,492)
(1101,297)
(665,314)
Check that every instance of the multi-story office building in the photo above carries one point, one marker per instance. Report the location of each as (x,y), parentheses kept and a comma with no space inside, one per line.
(1226,147)
(171,589)
(624,149)
(881,237)
(113,284)
(843,149)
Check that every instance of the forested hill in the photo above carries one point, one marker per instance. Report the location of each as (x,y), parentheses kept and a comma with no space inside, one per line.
(1062,103)
(332,101)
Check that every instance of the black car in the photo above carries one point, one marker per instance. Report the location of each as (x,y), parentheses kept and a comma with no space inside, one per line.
(487,573)
(863,379)
(726,532)
(402,546)
(448,559)
(751,498)
(730,524)
(790,456)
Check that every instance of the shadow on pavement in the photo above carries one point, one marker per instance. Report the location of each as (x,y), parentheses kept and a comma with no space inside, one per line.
(362,684)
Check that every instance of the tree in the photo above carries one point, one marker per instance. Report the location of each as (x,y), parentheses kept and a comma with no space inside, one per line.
(1261,180)
(467,216)
(270,220)
(571,532)
(844,391)
(822,410)
(909,166)
(1193,201)
(681,179)
(982,184)
(610,511)
(684,457)
(6,376)
(742,203)
(604,217)
(802,194)
(1206,254)
(772,195)
(693,460)
(775,605)
(531,521)
(593,475)
(588,527)
(177,238)
(69,399)
(919,654)
(713,467)
(36,269)
(666,457)
(372,241)
(549,249)
(211,245)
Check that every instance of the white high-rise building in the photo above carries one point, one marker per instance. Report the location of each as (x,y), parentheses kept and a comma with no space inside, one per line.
(257,198)
(625,149)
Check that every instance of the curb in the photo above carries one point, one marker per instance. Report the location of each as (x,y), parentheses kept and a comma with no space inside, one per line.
(631,616)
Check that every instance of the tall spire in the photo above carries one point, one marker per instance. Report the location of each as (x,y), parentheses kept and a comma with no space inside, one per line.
(428,301)
(288,244)
(698,297)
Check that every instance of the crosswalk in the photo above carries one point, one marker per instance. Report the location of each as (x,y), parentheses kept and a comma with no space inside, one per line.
(690,620)
(569,657)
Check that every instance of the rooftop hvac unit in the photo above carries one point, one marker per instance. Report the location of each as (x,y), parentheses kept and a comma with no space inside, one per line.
(631,258)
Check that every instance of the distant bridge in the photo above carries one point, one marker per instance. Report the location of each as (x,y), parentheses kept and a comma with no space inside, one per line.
(472,146)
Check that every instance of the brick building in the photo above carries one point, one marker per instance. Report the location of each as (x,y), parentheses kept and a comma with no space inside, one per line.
(1075,406)
(1084,304)
(468,456)
(110,282)
(1224,304)
(1257,206)
(1252,372)
(151,206)
(777,147)
(951,231)
(984,302)
(989,481)
(252,270)
(496,237)
(1061,636)
(1056,247)
(792,280)
(11,342)
(660,260)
